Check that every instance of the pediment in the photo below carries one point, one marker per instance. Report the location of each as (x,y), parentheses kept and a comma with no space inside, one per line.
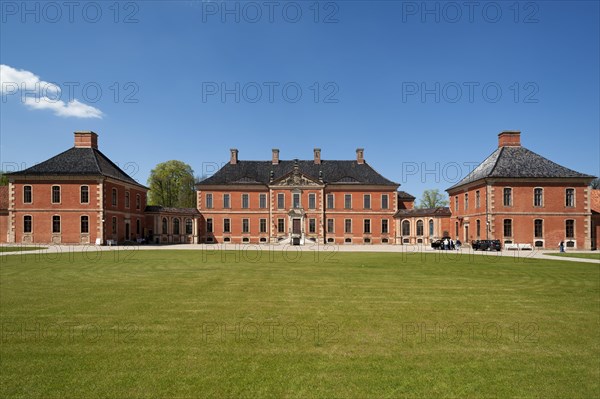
(295,178)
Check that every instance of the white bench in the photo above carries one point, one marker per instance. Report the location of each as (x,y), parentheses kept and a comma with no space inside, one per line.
(111,242)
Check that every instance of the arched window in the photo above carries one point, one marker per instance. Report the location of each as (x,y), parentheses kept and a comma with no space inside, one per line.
(188,226)
(176,226)
(164,226)
(419,227)
(405,228)
(430,227)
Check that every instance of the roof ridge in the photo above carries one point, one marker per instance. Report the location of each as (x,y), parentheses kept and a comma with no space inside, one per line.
(96,159)
(495,162)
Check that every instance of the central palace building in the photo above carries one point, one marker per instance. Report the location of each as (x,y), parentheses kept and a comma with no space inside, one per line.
(515,195)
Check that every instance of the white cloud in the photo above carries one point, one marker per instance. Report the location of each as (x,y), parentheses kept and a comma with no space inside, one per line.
(39,94)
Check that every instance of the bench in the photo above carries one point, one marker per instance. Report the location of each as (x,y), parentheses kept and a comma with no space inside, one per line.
(111,242)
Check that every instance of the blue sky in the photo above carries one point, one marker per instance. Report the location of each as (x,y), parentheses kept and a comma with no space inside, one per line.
(424,87)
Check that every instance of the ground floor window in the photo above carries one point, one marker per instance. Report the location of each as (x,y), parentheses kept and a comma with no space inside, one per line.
(330,225)
(56,224)
(209,225)
(263,225)
(478,228)
(367,226)
(348,226)
(384,226)
(189,229)
(507,228)
(114,225)
(245,226)
(406,228)
(85,224)
(538,228)
(280,225)
(570,228)
(176,226)
(27,224)
(312,225)
(419,227)
(227,226)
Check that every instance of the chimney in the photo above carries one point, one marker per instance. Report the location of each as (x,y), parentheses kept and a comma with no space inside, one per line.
(234,156)
(360,156)
(275,156)
(86,140)
(317,156)
(509,138)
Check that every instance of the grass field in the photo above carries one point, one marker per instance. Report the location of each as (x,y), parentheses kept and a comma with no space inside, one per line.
(576,255)
(191,324)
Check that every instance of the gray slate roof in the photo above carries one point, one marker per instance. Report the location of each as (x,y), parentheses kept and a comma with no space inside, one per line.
(158,209)
(518,162)
(403,195)
(334,172)
(440,211)
(78,162)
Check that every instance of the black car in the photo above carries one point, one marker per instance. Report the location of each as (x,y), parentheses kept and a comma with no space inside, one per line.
(486,245)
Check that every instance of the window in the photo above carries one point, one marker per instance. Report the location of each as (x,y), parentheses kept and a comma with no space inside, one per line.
(384,201)
(114,197)
(538,228)
(226,225)
(138,201)
(419,227)
(507,196)
(138,227)
(296,200)
(477,199)
(312,225)
(384,226)
(209,201)
(570,228)
(263,225)
(367,226)
(27,224)
(538,197)
(570,197)
(466,201)
(478,228)
(245,226)
(312,201)
(280,225)
(262,201)
(280,201)
(431,227)
(176,226)
(209,225)
(114,225)
(405,228)
(126,199)
(189,226)
(245,201)
(507,228)
(85,224)
(56,194)
(456,203)
(330,225)
(367,201)
(348,201)
(226,201)
(56,224)
(348,225)
(330,201)
(456,229)
(164,226)
(27,195)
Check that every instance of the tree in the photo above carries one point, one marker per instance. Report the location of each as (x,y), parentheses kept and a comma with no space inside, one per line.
(595,184)
(172,185)
(432,199)
(3,179)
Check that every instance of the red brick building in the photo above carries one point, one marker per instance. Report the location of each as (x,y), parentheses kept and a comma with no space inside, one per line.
(520,197)
(297,201)
(77,197)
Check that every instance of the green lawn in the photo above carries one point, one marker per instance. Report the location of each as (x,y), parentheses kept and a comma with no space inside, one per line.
(190,324)
(20,249)
(568,254)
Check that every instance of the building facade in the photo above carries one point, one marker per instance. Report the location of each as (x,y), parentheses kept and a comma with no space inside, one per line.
(297,202)
(520,197)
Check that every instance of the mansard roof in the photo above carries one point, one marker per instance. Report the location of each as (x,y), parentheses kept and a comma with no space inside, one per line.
(265,172)
(518,162)
(78,161)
